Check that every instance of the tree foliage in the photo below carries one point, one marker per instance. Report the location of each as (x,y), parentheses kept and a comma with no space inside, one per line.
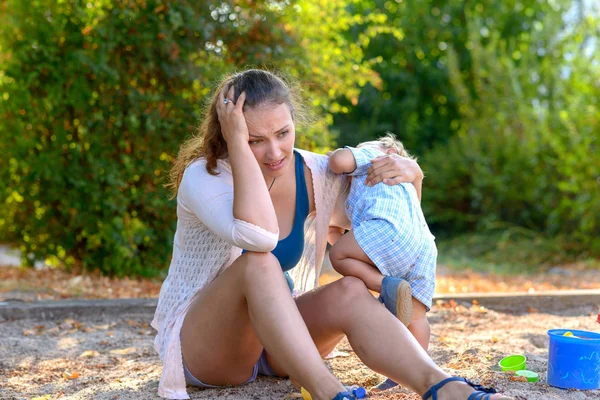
(501,98)
(96,96)
(522,155)
(416,99)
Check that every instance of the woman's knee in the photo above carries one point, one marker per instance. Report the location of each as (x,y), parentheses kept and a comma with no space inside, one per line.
(259,265)
(348,290)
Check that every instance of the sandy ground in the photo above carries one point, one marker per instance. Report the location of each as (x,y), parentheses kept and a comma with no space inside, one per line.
(98,357)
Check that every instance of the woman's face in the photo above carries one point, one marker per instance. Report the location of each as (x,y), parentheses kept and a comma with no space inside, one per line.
(272,135)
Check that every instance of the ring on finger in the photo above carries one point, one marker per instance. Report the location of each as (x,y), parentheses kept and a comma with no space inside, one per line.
(227,100)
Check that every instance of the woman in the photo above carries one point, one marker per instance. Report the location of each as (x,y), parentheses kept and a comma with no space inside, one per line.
(249,206)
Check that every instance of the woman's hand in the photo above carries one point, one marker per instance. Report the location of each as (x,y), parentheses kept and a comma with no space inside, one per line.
(231,116)
(393,169)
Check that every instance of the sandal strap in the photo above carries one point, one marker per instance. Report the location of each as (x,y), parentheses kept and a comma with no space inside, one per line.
(480,389)
(432,392)
(481,393)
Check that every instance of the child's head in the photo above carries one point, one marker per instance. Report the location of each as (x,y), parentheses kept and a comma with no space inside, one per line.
(388,144)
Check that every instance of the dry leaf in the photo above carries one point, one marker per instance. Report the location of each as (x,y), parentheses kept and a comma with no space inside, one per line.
(44,397)
(36,330)
(516,378)
(70,375)
(89,354)
(495,339)
(336,354)
(101,327)
(128,350)
(532,310)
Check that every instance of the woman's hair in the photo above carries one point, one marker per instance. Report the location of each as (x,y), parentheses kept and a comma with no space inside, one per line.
(262,88)
(389,141)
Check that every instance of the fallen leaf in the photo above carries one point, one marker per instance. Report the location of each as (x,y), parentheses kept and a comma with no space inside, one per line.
(128,350)
(336,354)
(70,375)
(516,378)
(36,330)
(532,310)
(101,327)
(44,397)
(89,354)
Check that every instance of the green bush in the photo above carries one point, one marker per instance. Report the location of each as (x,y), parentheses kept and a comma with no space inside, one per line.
(94,99)
(525,155)
(96,96)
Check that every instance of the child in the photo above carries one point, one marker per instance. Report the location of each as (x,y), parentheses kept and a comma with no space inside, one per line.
(389,247)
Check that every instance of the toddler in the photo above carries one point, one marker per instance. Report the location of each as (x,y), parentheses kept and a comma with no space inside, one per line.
(390,247)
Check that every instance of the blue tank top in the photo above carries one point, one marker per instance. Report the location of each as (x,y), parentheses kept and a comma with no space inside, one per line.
(289,249)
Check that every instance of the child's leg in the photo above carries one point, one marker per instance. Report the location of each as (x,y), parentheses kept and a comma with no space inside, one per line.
(419,324)
(349,259)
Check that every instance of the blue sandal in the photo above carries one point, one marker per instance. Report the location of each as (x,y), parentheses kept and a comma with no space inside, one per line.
(480,393)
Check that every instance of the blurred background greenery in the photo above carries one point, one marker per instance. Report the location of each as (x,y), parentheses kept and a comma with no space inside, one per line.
(500,99)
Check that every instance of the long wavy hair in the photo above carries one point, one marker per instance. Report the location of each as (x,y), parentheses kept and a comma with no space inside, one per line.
(262,88)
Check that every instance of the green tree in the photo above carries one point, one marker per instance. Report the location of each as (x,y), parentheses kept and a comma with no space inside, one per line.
(521,156)
(416,99)
(96,96)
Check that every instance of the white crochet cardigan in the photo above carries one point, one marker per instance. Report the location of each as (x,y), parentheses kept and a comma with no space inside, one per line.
(199,255)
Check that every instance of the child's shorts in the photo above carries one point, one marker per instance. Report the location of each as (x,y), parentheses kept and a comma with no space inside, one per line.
(421,275)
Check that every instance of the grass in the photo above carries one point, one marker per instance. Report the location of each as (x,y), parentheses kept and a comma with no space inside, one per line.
(512,251)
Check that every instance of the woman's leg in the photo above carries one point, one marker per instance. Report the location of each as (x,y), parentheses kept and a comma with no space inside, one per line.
(378,338)
(249,304)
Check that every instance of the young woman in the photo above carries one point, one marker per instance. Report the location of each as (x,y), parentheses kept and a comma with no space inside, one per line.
(252,209)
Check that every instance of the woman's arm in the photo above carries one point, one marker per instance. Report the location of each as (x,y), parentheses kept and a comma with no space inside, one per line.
(252,202)
(393,169)
(210,199)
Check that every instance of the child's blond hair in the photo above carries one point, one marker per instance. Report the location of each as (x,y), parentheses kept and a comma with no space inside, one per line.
(389,141)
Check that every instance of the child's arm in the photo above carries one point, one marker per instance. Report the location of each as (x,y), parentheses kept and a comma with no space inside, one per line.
(418,186)
(342,161)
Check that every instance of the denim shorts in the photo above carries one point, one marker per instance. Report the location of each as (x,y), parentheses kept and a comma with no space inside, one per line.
(260,368)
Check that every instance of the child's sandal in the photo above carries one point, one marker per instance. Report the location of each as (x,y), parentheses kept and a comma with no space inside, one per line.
(480,393)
